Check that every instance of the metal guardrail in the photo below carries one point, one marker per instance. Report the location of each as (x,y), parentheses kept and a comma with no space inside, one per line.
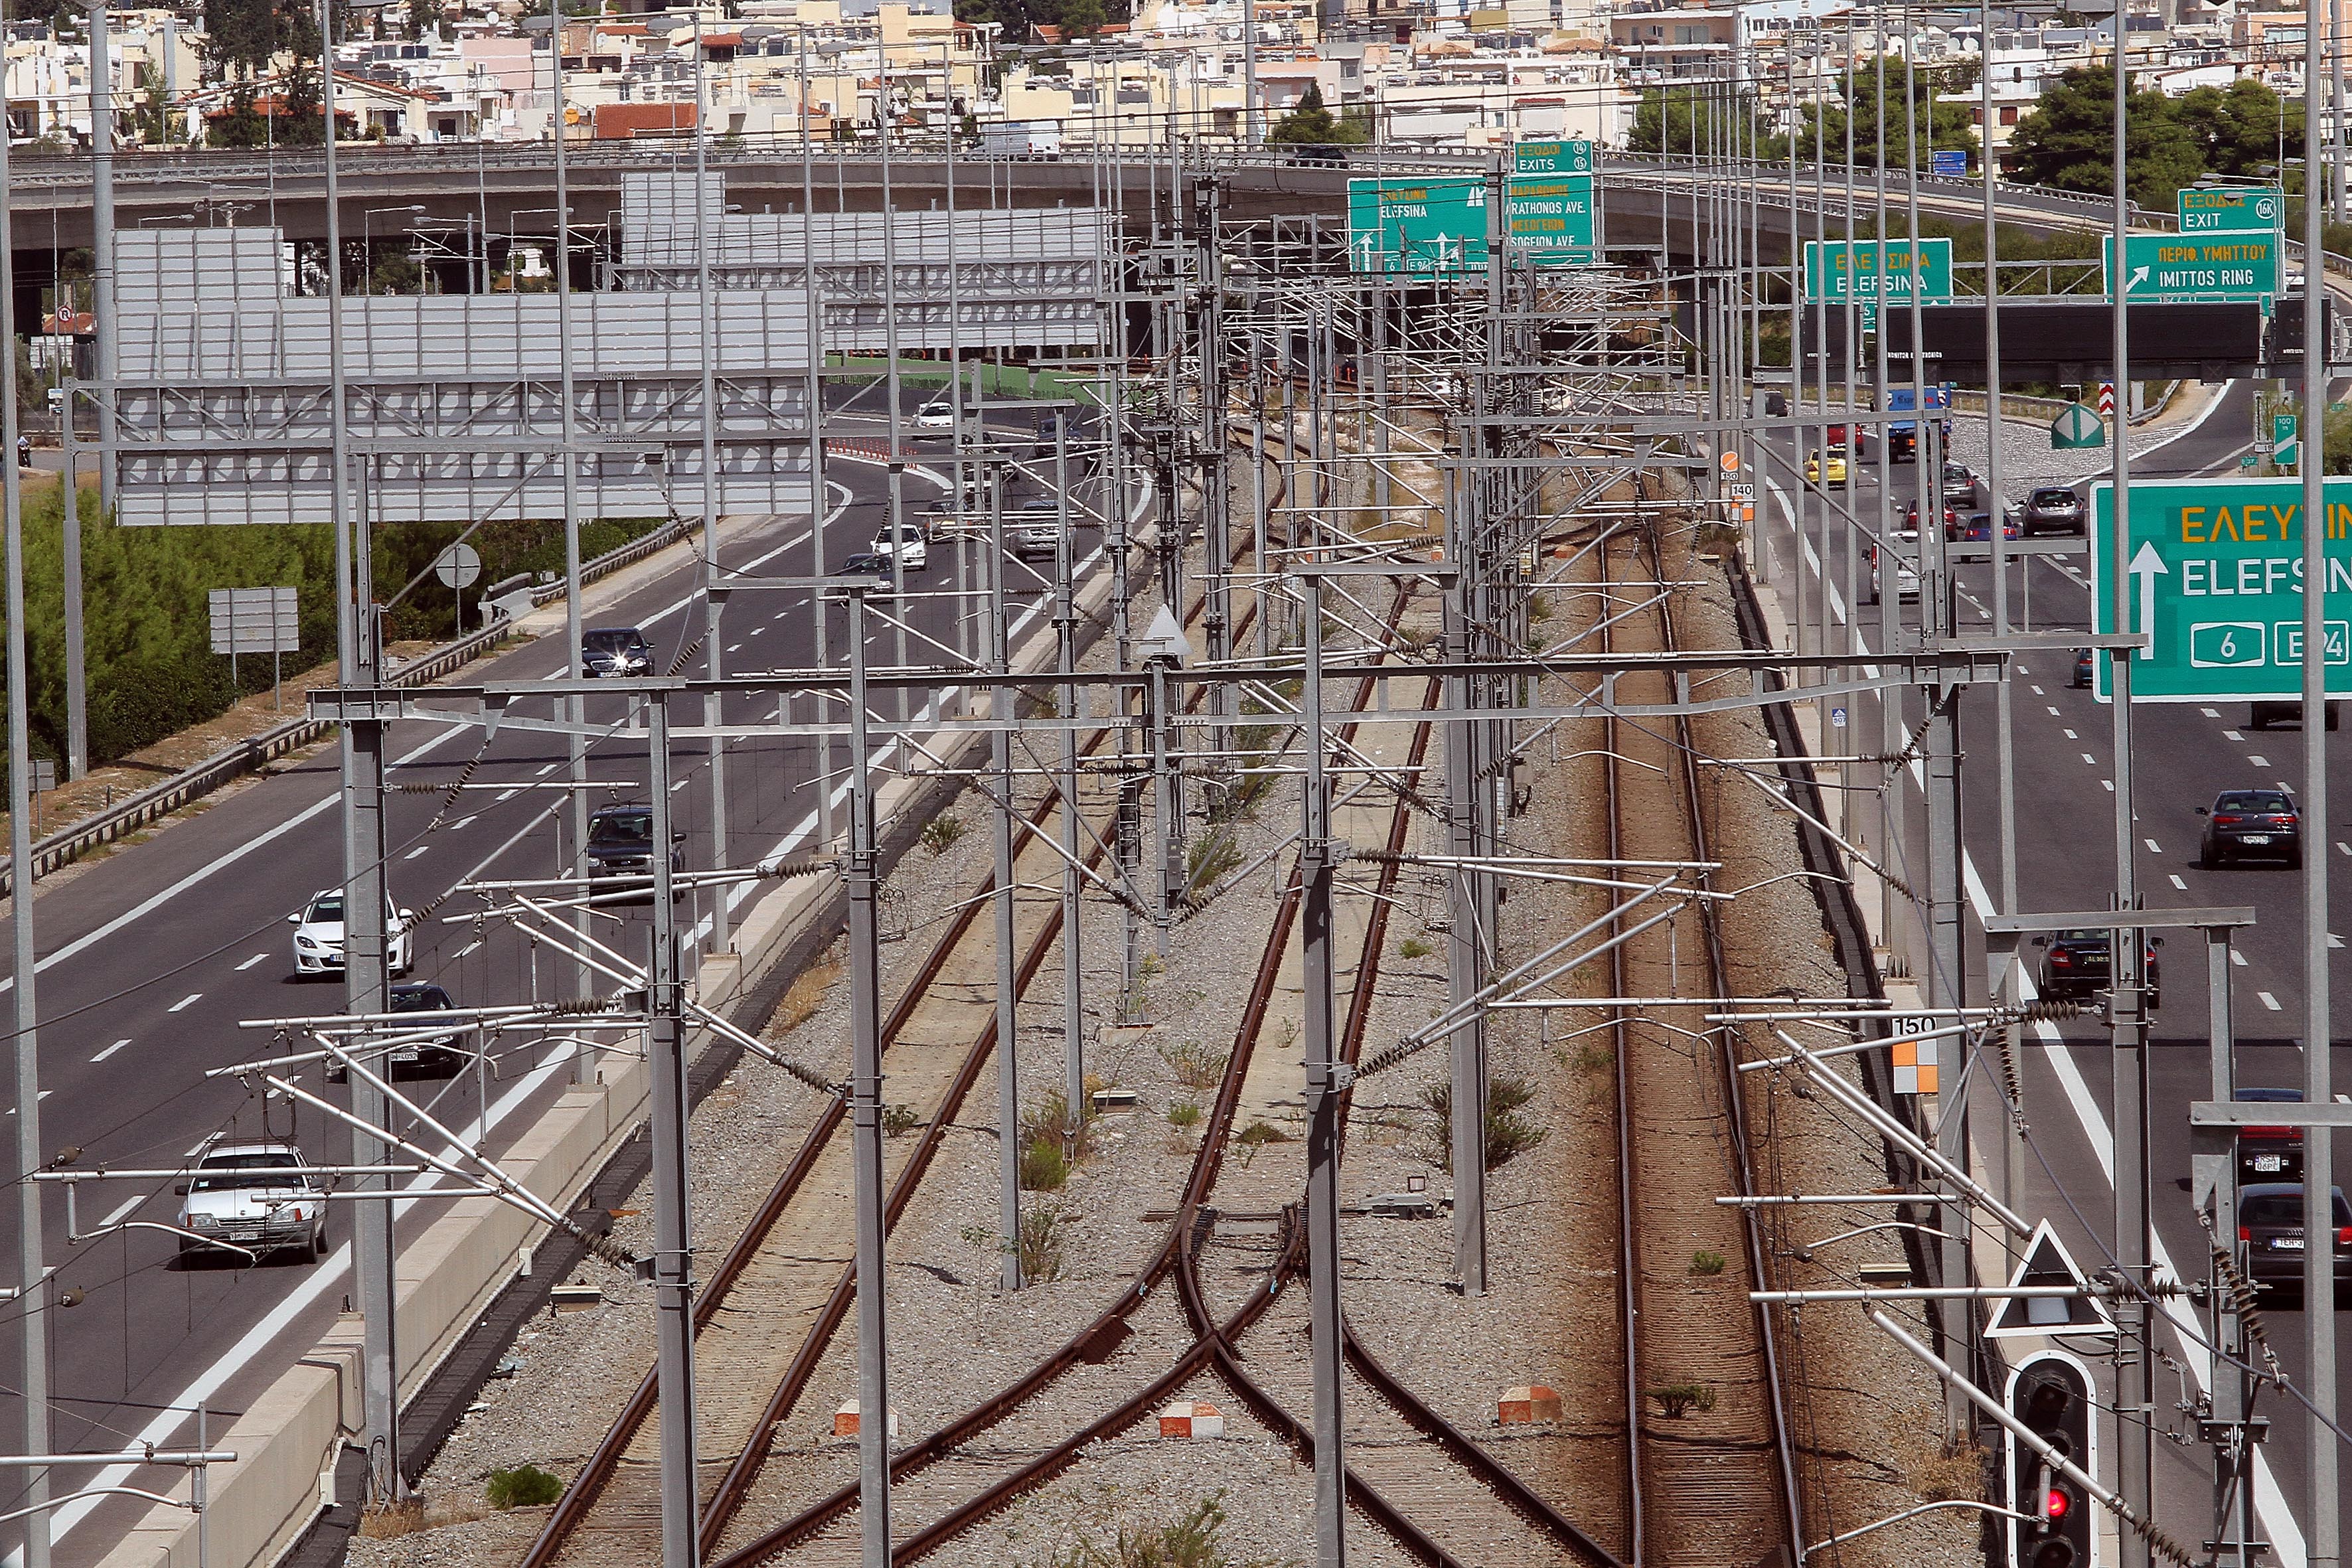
(255,753)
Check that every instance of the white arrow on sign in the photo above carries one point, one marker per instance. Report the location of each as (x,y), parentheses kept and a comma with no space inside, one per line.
(2146,566)
(2139,276)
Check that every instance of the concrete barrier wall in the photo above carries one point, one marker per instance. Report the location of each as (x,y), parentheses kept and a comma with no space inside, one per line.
(288,1441)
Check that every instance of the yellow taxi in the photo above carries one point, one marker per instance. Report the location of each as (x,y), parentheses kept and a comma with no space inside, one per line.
(1830,469)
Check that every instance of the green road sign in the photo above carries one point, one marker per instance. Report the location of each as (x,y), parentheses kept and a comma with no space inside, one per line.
(1552,217)
(1877,270)
(1573,157)
(2247,461)
(1435,225)
(2281,429)
(1439,225)
(2077,426)
(2216,569)
(2209,211)
(2239,266)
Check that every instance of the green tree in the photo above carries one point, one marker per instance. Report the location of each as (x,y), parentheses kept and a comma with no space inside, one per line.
(1950,128)
(1672,120)
(1083,18)
(2245,130)
(1308,125)
(2069,139)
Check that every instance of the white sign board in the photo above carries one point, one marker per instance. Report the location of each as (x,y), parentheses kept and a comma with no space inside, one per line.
(255,620)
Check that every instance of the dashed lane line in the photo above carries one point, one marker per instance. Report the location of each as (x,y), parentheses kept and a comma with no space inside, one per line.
(109,1051)
(248,963)
(193,996)
(2270,1001)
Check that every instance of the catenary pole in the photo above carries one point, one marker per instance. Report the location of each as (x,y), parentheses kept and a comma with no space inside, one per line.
(2135,1404)
(31,1304)
(2325,1541)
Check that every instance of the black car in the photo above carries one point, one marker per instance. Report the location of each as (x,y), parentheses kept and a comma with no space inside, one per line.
(2083,667)
(418,1053)
(2052,508)
(2074,965)
(621,846)
(2270,1153)
(2266,714)
(609,651)
(878,569)
(2243,821)
(2271,1239)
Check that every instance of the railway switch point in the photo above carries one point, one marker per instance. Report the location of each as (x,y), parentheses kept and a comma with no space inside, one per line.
(845,1420)
(1531,1402)
(1188,1420)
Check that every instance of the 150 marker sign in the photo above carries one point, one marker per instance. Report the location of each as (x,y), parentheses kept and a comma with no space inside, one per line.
(2216,580)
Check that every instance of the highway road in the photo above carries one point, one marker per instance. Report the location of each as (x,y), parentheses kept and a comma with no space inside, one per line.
(2064,772)
(150,958)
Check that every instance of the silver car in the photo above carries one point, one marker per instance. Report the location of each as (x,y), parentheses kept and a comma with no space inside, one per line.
(261,1196)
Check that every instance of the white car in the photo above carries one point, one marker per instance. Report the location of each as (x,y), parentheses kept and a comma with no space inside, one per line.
(911,549)
(319,935)
(261,1196)
(1906,542)
(935,416)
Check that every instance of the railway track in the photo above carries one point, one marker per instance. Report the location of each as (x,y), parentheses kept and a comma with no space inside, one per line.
(782,1270)
(1710,1468)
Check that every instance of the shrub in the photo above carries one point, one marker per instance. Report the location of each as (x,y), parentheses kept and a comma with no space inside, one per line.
(1509,1133)
(1208,859)
(1194,1065)
(525,1486)
(1050,1121)
(1042,1229)
(1189,1541)
(1043,1169)
(1185,1115)
(1414,947)
(897,1120)
(1706,1262)
(939,833)
(1256,1136)
(1679,1399)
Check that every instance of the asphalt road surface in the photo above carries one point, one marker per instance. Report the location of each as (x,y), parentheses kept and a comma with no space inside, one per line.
(2062,772)
(152,957)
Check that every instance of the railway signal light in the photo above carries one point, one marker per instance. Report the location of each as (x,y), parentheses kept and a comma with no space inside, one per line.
(2051,1395)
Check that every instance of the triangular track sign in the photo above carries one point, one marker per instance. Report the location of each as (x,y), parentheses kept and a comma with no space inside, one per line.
(2047,1262)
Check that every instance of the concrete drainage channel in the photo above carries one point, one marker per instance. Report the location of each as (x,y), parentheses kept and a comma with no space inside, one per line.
(463,1293)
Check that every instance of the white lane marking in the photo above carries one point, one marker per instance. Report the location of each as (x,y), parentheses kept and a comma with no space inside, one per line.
(2231,735)
(44,1094)
(471,946)
(2072,736)
(757,630)
(2259,762)
(505,794)
(417,852)
(123,1213)
(2335,940)
(2110,783)
(545,771)
(2178,883)
(2211,712)
(2270,1502)
(2086,756)
(2055,713)
(248,963)
(325,1281)
(2270,1001)
(157,900)
(191,997)
(731,647)
(460,823)
(2153,848)
(680,785)
(2237,958)
(2037,690)
(109,1051)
